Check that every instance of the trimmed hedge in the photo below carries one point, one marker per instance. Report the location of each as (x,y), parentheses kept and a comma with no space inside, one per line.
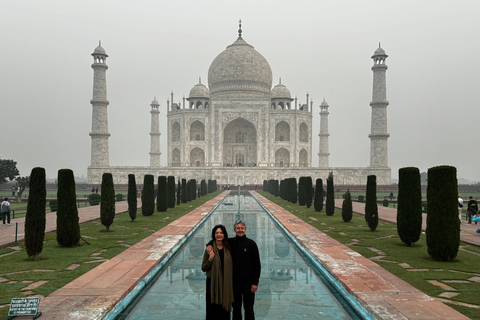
(302,197)
(443,225)
(94,199)
(347,208)
(409,210)
(162,194)
(330,201)
(318,199)
(308,191)
(35,219)
(171,191)
(68,229)
(148,195)
(184,191)
(371,208)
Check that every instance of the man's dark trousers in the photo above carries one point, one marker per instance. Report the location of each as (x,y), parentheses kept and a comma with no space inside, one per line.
(242,292)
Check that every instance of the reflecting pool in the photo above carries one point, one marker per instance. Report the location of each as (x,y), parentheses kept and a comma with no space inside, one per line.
(288,289)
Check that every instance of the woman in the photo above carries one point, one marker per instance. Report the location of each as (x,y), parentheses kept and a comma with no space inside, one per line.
(218,266)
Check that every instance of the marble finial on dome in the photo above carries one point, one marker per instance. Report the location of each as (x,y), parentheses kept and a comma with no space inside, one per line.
(240,28)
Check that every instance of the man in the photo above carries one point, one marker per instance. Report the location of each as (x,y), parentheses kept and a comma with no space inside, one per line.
(460,206)
(246,271)
(5,209)
(472,209)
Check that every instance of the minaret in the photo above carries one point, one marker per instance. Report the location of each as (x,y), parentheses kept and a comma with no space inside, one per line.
(379,135)
(155,135)
(323,153)
(99,103)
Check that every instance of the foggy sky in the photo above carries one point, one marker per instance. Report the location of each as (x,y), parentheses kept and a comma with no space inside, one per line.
(320,47)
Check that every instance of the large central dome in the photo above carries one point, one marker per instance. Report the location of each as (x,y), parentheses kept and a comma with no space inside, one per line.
(240,68)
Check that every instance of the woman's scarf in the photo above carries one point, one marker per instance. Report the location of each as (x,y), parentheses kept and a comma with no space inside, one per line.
(222,287)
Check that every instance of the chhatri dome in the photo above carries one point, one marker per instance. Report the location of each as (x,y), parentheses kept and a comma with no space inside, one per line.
(280,91)
(241,69)
(199,91)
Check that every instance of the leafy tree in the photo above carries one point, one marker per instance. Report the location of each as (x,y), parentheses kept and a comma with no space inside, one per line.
(301,191)
(35,218)
(330,201)
(107,203)
(347,208)
(308,191)
(68,229)
(371,208)
(184,191)
(318,199)
(148,196)
(22,183)
(409,211)
(132,197)
(162,195)
(8,170)
(443,226)
(171,191)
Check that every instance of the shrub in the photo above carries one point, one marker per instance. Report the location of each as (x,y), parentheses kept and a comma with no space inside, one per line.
(35,219)
(330,201)
(189,190)
(276,190)
(119,197)
(179,192)
(94,199)
(53,205)
(385,202)
(443,226)
(203,188)
(371,208)
(301,191)
(107,205)
(132,197)
(308,192)
(409,211)
(193,189)
(171,191)
(148,195)
(162,196)
(318,199)
(293,190)
(68,229)
(347,209)
(265,185)
(361,198)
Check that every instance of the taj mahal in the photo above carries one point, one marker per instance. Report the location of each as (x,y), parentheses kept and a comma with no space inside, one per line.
(237,129)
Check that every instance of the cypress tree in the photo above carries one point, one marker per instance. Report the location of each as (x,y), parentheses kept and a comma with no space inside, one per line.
(308,191)
(68,229)
(302,198)
(107,204)
(293,186)
(371,208)
(189,190)
(162,195)
(409,211)
(184,191)
(282,191)
(265,185)
(347,210)
(193,188)
(35,217)
(179,192)
(318,200)
(148,196)
(171,191)
(330,201)
(203,187)
(443,226)
(132,197)
(276,190)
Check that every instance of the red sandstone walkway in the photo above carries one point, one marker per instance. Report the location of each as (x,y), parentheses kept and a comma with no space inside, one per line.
(92,295)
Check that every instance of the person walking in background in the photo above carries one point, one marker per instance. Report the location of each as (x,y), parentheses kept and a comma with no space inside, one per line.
(460,206)
(472,209)
(5,209)
(217,263)
(476,218)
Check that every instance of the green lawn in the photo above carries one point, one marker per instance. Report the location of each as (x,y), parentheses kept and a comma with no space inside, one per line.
(18,271)
(458,274)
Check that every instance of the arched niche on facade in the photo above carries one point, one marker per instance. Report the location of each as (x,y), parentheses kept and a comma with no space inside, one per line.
(303,132)
(197,131)
(176,131)
(282,131)
(282,158)
(176,157)
(303,158)
(197,157)
(239,143)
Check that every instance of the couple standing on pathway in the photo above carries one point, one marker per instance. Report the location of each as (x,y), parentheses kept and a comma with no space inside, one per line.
(233,271)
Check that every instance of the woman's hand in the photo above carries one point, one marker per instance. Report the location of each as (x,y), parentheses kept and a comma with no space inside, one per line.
(211,255)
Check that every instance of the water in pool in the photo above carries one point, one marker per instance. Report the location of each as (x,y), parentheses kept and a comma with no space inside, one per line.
(288,288)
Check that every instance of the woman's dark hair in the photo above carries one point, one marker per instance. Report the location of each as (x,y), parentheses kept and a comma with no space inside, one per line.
(225,235)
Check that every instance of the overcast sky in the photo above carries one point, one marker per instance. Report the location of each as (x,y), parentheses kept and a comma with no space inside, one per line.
(320,47)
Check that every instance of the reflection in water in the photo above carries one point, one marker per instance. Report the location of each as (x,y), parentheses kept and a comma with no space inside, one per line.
(288,288)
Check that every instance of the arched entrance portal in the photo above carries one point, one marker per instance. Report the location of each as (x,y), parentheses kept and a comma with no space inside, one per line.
(239,144)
